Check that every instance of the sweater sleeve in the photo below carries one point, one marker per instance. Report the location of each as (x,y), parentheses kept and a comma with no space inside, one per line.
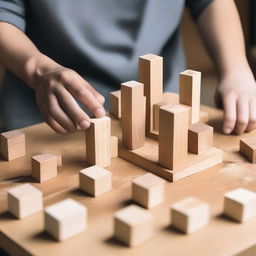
(197,6)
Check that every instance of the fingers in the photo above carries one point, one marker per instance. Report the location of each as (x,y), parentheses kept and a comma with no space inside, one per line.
(252,115)
(242,114)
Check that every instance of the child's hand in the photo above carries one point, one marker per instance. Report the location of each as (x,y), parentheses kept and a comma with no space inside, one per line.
(56,92)
(237,94)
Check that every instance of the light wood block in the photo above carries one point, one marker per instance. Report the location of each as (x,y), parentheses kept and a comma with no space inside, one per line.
(13,145)
(98,149)
(248,148)
(189,215)
(173,136)
(133,225)
(24,200)
(65,219)
(95,180)
(115,103)
(200,137)
(148,190)
(151,75)
(133,114)
(190,87)
(240,204)
(44,167)
(156,109)
(114,147)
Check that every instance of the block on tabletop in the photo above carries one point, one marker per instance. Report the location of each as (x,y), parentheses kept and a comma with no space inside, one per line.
(114,146)
(248,148)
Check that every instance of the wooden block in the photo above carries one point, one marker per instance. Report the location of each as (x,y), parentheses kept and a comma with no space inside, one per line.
(44,167)
(114,147)
(148,190)
(24,200)
(98,149)
(115,103)
(248,148)
(156,109)
(240,204)
(190,86)
(133,225)
(133,114)
(200,137)
(65,219)
(151,75)
(95,180)
(13,145)
(189,215)
(173,136)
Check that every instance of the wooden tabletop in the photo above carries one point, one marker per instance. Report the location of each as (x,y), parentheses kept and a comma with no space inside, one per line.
(221,237)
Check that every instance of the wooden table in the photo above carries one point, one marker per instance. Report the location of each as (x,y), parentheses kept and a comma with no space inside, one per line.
(220,237)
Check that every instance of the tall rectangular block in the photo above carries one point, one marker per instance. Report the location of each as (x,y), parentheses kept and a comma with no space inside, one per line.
(115,103)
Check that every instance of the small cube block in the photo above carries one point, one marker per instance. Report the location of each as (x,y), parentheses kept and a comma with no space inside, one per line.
(200,137)
(189,215)
(133,225)
(240,204)
(115,103)
(44,167)
(65,219)
(24,200)
(148,190)
(114,146)
(95,180)
(248,148)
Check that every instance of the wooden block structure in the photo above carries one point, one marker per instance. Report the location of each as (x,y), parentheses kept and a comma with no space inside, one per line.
(65,219)
(133,225)
(115,103)
(98,148)
(190,87)
(148,190)
(200,137)
(95,180)
(13,145)
(24,200)
(189,215)
(248,148)
(133,114)
(44,167)
(114,147)
(240,204)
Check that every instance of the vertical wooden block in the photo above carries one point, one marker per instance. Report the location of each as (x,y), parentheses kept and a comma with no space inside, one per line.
(98,149)
(115,103)
(44,167)
(148,190)
(156,109)
(189,215)
(200,137)
(95,180)
(248,148)
(114,147)
(65,219)
(57,154)
(133,114)
(133,225)
(173,136)
(151,75)
(240,204)
(190,87)
(24,200)
(13,145)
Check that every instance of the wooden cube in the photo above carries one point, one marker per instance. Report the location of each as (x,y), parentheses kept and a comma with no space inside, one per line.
(44,167)
(115,103)
(133,225)
(148,190)
(13,145)
(248,148)
(114,146)
(200,137)
(65,219)
(24,200)
(240,204)
(95,180)
(189,215)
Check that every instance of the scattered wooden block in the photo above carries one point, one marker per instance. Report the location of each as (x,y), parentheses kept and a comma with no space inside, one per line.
(65,219)
(133,225)
(240,204)
(95,180)
(200,137)
(24,200)
(248,148)
(44,167)
(98,149)
(148,190)
(13,145)
(189,215)
(115,103)
(114,147)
